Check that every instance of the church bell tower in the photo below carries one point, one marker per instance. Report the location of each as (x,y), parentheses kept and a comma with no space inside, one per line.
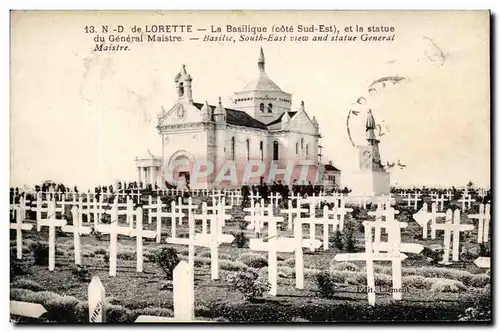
(183,84)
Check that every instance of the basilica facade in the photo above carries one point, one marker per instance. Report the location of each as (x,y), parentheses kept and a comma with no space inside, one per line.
(260,135)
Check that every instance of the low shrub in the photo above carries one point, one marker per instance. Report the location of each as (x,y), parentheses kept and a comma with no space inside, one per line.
(16,267)
(286,272)
(289,262)
(167,260)
(160,312)
(126,255)
(480,280)
(240,240)
(205,253)
(201,261)
(338,241)
(27,284)
(41,253)
(231,265)
(446,285)
(437,272)
(326,284)
(249,284)
(382,280)
(253,260)
(63,310)
(82,273)
(117,314)
(416,282)
(100,251)
(344,266)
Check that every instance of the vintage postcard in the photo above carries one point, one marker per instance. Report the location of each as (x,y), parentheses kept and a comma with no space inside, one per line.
(250,166)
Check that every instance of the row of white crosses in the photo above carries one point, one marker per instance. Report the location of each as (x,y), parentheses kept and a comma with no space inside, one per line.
(416,198)
(273,244)
(210,240)
(439,200)
(483,225)
(392,250)
(466,201)
(451,226)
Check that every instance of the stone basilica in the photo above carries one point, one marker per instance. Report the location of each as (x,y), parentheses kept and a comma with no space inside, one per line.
(260,127)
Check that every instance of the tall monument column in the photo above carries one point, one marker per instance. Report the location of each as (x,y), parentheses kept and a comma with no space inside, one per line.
(371,179)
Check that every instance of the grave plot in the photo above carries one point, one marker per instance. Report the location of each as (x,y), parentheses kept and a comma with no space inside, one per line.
(377,264)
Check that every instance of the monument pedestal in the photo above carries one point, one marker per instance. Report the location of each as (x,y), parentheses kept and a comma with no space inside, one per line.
(370,183)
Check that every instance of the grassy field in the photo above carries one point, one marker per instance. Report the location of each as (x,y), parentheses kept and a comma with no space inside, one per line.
(431,292)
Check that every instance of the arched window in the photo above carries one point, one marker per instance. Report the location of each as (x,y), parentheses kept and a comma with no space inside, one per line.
(181,89)
(275,150)
(261,107)
(302,144)
(248,149)
(307,149)
(269,108)
(297,148)
(261,150)
(233,147)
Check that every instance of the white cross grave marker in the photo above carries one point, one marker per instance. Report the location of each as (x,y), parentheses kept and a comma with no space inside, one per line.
(19,227)
(52,223)
(77,228)
(299,244)
(183,297)
(96,298)
(291,211)
(113,230)
(466,199)
(483,225)
(483,262)
(272,246)
(452,225)
(26,309)
(369,256)
(213,239)
(439,200)
(140,233)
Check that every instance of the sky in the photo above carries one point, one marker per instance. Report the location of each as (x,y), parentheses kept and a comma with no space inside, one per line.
(81,117)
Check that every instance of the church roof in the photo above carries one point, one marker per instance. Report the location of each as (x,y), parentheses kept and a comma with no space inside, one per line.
(329,167)
(262,83)
(278,120)
(237,118)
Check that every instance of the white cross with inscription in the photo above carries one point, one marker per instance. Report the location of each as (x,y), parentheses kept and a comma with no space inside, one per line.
(483,225)
(19,227)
